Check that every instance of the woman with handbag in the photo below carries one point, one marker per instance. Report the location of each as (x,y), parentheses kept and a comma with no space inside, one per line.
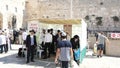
(76,48)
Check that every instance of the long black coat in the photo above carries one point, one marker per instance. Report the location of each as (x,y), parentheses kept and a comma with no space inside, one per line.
(28,41)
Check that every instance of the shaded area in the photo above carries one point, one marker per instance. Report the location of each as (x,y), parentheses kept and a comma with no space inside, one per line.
(10,58)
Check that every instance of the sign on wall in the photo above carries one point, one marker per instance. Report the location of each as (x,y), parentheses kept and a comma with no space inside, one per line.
(33,25)
(115,35)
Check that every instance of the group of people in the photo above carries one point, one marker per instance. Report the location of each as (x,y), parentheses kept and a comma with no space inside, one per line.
(45,41)
(49,41)
(8,37)
(4,41)
(59,43)
(19,36)
(66,50)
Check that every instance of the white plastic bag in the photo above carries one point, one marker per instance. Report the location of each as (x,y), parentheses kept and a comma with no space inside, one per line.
(74,64)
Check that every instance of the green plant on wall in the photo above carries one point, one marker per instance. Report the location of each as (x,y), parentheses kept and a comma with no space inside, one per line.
(87,17)
(101,3)
(99,21)
(98,18)
(115,19)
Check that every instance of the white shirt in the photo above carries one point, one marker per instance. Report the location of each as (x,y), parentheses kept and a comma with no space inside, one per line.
(48,38)
(4,39)
(24,35)
(42,37)
(32,40)
(0,40)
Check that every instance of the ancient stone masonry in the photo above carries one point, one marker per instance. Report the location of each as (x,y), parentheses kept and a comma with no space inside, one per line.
(80,9)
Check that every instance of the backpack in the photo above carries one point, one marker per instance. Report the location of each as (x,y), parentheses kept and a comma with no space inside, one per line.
(20,53)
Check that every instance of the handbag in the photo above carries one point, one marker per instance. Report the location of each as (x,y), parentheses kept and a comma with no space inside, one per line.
(77,54)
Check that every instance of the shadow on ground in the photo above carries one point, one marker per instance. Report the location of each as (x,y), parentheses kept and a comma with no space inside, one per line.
(91,56)
(13,59)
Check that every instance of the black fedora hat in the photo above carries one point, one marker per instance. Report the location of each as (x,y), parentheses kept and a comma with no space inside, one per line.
(32,31)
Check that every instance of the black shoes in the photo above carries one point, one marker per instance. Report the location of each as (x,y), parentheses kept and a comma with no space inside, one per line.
(48,56)
(27,62)
(99,56)
(44,58)
(32,61)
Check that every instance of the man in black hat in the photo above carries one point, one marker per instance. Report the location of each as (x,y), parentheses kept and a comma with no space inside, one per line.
(31,45)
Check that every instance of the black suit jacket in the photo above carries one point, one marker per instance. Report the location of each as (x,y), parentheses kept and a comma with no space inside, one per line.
(28,41)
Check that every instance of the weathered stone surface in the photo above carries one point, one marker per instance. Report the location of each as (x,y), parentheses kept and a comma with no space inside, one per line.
(80,9)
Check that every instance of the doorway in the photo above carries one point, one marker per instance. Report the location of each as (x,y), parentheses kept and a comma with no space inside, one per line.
(68,29)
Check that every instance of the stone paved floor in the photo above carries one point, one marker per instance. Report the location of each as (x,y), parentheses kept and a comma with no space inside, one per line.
(9,60)
(104,62)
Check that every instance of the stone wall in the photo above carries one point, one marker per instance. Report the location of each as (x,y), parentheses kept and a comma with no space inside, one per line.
(113,49)
(80,9)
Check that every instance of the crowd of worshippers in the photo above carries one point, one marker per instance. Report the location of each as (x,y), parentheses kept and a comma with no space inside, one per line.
(18,36)
(49,41)
(4,41)
(8,37)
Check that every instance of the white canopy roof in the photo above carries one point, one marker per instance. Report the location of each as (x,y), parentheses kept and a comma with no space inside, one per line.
(60,21)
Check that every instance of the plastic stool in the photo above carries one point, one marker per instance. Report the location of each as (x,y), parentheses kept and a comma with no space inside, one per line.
(40,52)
